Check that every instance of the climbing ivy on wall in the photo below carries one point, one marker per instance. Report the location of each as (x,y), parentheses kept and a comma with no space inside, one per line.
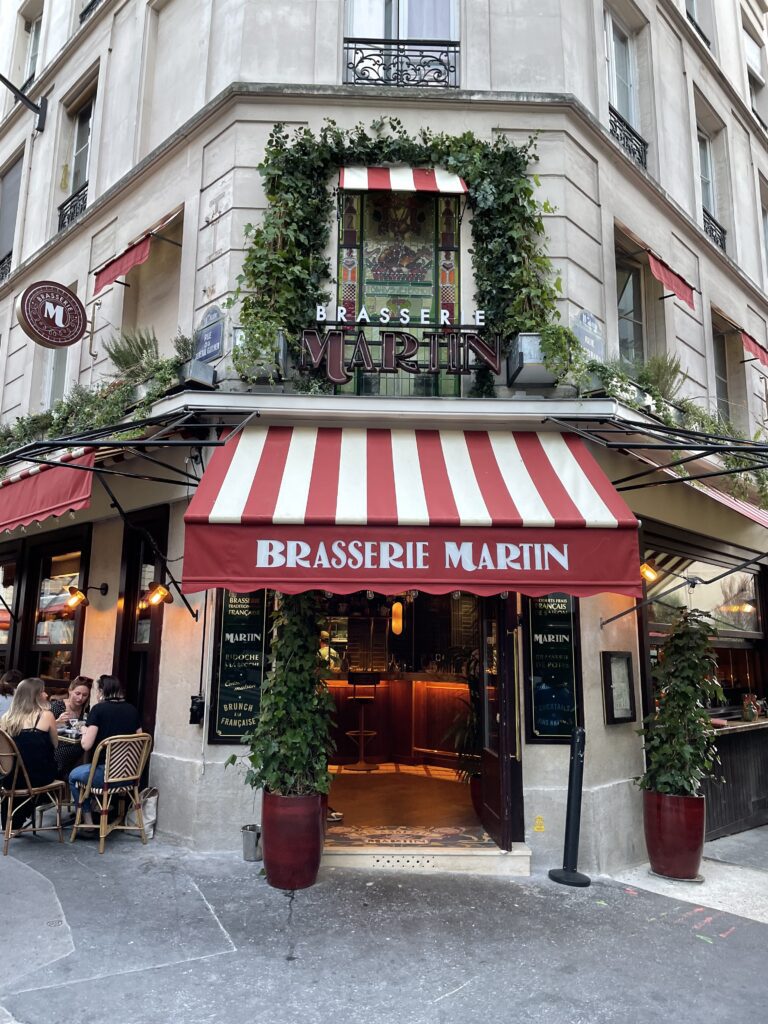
(286,272)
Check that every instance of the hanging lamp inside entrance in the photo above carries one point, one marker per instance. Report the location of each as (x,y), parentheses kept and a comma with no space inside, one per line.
(346,509)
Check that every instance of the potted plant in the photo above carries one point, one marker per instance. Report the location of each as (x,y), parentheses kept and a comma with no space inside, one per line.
(466,737)
(680,749)
(289,747)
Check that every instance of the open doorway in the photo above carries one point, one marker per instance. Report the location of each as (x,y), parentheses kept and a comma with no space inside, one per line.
(420,687)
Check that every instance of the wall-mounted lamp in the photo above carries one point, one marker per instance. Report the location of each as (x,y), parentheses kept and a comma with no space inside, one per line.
(78,597)
(649,572)
(396,621)
(158,594)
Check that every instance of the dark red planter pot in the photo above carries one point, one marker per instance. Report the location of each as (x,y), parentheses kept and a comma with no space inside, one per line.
(674,833)
(291,839)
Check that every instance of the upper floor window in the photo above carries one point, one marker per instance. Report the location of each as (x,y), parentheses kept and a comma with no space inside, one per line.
(719,341)
(402,42)
(700,16)
(713,174)
(754,55)
(621,75)
(33,48)
(77,139)
(706,173)
(10,182)
(629,295)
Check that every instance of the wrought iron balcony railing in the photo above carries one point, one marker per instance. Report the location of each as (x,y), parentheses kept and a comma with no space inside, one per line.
(88,10)
(629,140)
(699,30)
(5,266)
(714,231)
(73,207)
(410,63)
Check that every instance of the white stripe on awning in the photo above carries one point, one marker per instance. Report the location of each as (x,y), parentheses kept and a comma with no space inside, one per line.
(401,179)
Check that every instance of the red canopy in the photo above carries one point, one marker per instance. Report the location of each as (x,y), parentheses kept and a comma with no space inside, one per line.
(754,348)
(43,491)
(677,284)
(127,260)
(345,509)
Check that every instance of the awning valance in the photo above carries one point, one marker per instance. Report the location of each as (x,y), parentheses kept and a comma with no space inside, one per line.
(753,346)
(42,491)
(401,179)
(122,264)
(344,509)
(670,279)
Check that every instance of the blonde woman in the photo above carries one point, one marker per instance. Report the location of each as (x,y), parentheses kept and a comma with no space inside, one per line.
(33,727)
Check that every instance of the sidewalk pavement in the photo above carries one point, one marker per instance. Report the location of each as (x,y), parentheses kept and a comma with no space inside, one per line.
(158,934)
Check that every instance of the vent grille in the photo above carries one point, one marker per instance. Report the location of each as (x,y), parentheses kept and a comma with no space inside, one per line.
(404,860)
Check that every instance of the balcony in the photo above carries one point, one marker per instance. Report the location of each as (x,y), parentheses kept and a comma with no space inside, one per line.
(715,232)
(410,63)
(633,144)
(88,10)
(73,207)
(5,266)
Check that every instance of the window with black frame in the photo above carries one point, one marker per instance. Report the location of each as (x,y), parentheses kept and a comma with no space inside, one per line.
(56,617)
(402,42)
(7,596)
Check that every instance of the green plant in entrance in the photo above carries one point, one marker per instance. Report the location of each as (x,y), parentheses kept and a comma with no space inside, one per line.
(289,747)
(679,739)
(286,269)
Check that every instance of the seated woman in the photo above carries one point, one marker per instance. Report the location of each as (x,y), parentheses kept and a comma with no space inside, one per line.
(33,727)
(75,705)
(8,683)
(112,716)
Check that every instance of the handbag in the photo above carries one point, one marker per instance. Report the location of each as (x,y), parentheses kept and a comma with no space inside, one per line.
(148,799)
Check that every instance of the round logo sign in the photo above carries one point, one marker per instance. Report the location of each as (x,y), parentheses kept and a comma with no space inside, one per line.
(51,314)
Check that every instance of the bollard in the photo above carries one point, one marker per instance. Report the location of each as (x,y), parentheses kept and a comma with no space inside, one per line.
(568,875)
(251,842)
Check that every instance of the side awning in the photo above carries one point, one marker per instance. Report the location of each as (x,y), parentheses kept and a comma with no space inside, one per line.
(122,264)
(345,509)
(401,179)
(675,282)
(40,492)
(753,346)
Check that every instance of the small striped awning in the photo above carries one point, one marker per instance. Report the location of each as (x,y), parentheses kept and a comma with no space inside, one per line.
(401,179)
(47,490)
(345,509)
(755,349)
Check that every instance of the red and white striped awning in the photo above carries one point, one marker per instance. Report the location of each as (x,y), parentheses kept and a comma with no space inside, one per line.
(41,491)
(344,509)
(401,179)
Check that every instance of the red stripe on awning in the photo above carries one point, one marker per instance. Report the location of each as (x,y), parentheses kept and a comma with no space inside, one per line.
(507,513)
(401,179)
(753,346)
(43,491)
(670,279)
(132,257)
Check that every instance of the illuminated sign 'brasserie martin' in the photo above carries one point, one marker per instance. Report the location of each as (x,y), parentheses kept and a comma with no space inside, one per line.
(344,347)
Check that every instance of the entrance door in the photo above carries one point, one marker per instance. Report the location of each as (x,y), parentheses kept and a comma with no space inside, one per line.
(502,776)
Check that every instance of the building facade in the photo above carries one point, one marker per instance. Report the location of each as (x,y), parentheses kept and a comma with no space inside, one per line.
(650,124)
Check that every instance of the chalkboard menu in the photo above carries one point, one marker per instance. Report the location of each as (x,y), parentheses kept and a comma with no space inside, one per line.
(551,668)
(239,661)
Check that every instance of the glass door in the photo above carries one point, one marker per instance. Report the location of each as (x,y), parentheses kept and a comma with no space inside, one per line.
(502,794)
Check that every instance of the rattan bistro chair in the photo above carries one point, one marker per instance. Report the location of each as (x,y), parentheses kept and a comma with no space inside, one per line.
(17,792)
(125,760)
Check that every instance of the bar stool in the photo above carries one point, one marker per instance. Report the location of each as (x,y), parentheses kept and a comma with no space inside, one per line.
(361,734)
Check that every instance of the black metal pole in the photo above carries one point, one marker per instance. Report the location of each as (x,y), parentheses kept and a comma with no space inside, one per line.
(568,875)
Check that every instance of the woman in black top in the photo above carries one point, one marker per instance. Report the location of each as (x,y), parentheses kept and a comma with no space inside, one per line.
(112,716)
(33,729)
(74,706)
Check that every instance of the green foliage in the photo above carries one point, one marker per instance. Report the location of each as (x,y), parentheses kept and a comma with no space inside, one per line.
(143,378)
(679,739)
(662,375)
(563,354)
(290,745)
(286,271)
(466,737)
(132,351)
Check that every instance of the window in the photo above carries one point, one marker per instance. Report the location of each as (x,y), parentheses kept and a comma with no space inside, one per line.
(55,621)
(7,596)
(402,42)
(705,173)
(754,54)
(700,17)
(33,48)
(629,289)
(719,342)
(620,61)
(9,203)
(81,153)
(402,19)
(400,250)
(57,375)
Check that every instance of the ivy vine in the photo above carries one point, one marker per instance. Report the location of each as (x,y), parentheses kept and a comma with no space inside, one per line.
(286,271)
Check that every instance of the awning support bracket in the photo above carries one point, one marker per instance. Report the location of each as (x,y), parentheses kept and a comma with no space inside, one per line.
(152,543)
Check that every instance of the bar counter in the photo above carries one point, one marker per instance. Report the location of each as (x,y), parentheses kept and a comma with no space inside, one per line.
(411,713)
(741,802)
